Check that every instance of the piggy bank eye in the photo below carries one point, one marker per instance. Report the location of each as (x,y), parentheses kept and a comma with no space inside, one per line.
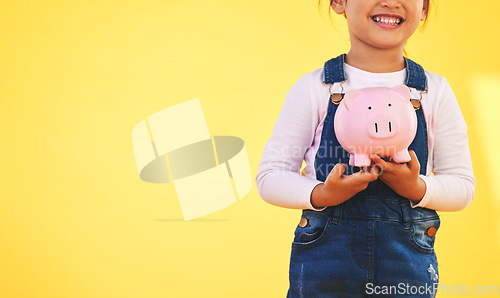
(389,104)
(369,108)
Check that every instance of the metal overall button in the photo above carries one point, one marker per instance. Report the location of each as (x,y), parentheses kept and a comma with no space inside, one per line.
(303,222)
(431,231)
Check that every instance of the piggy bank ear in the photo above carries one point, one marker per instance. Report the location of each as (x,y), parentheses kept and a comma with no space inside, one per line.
(349,97)
(403,91)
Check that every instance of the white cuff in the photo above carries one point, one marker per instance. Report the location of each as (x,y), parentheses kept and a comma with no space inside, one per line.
(425,200)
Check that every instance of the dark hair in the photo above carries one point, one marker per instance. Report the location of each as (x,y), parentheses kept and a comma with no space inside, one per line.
(427,2)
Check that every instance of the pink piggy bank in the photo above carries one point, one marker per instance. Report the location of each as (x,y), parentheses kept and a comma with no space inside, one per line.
(378,121)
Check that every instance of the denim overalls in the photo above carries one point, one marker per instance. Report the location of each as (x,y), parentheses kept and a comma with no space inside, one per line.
(374,243)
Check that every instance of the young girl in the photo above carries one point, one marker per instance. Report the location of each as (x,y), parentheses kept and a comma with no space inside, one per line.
(372,230)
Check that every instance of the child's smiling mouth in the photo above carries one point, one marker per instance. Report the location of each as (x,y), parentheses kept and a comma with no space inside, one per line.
(390,20)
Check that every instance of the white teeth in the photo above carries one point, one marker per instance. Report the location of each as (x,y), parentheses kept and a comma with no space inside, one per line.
(387,20)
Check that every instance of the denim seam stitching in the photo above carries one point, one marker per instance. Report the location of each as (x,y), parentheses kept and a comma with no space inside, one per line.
(424,219)
(374,217)
(356,259)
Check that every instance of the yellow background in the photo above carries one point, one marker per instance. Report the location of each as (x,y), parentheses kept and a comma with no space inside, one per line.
(76,77)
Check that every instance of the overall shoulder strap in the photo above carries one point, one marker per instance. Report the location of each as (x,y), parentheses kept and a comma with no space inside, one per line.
(415,75)
(333,71)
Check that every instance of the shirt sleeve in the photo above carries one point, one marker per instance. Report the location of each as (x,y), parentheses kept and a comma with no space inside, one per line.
(451,188)
(278,179)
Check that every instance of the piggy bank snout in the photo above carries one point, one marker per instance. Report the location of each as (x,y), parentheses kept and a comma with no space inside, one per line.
(382,126)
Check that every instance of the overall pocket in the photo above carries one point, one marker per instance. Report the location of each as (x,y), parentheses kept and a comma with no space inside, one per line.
(313,227)
(423,234)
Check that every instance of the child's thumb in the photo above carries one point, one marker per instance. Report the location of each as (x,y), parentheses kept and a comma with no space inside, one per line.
(336,172)
(414,164)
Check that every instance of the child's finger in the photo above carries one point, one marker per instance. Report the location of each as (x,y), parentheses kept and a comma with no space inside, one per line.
(336,172)
(370,176)
(376,170)
(365,177)
(382,164)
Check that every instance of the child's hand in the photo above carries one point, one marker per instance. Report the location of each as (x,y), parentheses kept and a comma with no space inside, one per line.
(338,187)
(402,178)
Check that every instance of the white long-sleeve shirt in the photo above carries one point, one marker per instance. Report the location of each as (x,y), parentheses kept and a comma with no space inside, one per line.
(296,136)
